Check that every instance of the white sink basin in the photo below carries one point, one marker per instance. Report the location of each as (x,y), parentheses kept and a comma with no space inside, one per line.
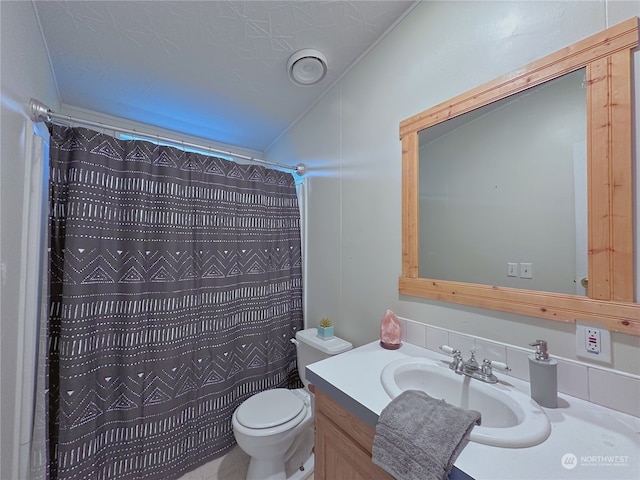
(510,418)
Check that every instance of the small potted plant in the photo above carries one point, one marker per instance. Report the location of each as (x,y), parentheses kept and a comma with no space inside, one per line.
(325,329)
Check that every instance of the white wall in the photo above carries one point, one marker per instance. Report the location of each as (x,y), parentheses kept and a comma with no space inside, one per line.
(25,73)
(350,143)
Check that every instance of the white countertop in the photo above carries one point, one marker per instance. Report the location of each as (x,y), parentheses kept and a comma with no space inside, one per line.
(605,443)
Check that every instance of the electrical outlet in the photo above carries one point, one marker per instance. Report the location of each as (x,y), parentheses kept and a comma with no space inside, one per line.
(512,269)
(593,342)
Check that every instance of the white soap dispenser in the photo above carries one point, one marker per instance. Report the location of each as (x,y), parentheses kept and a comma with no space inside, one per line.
(543,376)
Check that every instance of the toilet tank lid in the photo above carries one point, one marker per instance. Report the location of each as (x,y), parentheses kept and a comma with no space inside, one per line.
(333,346)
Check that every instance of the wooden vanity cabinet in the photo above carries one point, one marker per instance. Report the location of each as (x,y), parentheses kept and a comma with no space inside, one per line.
(343,444)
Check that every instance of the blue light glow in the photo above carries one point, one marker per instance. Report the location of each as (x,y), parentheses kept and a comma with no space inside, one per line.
(202,151)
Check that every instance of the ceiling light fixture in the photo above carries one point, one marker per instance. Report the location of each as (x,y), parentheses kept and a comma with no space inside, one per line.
(307,67)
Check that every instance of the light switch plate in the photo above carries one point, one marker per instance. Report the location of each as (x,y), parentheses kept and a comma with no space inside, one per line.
(526,270)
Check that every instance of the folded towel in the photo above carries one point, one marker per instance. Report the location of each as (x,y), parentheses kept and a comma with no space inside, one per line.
(418,437)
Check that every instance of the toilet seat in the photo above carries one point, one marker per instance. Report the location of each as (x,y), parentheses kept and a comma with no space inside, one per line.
(269,409)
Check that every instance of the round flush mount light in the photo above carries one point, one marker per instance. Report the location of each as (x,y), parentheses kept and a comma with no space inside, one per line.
(307,67)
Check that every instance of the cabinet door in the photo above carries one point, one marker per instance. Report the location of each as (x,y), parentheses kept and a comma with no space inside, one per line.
(343,444)
(338,456)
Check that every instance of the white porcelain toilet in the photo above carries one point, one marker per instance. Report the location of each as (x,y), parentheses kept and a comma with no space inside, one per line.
(275,427)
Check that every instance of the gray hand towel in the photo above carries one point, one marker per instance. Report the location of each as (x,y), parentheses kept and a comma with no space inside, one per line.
(418,437)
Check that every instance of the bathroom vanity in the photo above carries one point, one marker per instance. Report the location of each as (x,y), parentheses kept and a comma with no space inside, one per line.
(598,442)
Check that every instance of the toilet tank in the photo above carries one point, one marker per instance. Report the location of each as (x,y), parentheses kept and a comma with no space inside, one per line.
(312,348)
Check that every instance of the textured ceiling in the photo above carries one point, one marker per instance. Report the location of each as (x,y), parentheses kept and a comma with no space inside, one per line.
(213,69)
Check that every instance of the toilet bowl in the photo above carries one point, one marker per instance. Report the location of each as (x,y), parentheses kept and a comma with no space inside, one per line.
(266,426)
(275,427)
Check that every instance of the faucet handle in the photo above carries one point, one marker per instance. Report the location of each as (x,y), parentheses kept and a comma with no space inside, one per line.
(500,366)
(489,364)
(449,350)
(456,363)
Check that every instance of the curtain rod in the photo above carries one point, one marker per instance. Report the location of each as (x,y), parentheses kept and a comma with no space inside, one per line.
(41,113)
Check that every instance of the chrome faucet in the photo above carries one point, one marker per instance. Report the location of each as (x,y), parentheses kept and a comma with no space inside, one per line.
(471,365)
(471,368)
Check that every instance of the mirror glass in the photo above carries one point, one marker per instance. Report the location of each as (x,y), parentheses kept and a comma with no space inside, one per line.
(503,192)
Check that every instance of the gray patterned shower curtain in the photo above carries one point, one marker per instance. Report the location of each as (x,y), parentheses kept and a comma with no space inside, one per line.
(175,286)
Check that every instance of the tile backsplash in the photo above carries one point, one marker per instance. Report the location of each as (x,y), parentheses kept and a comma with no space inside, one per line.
(604,386)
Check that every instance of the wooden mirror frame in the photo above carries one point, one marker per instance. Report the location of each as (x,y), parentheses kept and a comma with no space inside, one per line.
(607,58)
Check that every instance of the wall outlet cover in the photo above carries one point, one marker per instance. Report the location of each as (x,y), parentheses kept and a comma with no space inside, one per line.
(593,342)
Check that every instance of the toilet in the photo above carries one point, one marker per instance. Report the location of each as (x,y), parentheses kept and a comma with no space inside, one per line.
(275,427)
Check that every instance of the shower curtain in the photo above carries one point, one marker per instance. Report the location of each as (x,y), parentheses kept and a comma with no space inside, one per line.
(175,288)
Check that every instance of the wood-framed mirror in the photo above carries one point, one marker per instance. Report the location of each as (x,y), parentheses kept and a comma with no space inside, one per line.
(607,62)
